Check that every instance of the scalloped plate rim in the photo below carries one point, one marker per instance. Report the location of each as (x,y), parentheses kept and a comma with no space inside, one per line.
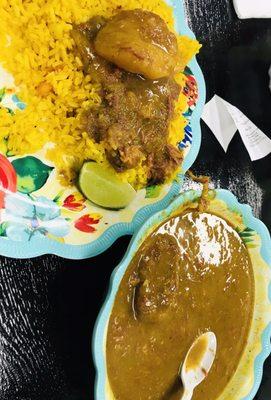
(102,319)
(37,247)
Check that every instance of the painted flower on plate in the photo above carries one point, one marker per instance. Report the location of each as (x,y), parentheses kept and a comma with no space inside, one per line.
(74,202)
(87,222)
(8,179)
(190,90)
(25,218)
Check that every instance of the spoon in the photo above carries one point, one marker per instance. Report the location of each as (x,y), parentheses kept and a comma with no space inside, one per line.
(198,362)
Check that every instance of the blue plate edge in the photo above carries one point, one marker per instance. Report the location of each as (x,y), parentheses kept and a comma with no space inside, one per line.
(38,247)
(99,331)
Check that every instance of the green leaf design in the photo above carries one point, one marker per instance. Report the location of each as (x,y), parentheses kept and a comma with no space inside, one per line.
(153,191)
(2,93)
(3,228)
(247,235)
(251,245)
(32,173)
(57,198)
(10,111)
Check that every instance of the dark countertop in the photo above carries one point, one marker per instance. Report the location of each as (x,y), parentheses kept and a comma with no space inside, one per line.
(48,305)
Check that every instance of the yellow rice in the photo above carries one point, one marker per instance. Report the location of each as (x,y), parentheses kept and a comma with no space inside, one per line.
(35,46)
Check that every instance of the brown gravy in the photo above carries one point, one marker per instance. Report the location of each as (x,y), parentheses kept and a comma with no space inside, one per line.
(133,118)
(191,275)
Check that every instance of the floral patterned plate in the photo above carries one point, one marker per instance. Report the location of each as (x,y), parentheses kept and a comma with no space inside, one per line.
(40,216)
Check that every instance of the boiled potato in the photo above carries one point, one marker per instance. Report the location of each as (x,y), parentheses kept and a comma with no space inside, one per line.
(140,42)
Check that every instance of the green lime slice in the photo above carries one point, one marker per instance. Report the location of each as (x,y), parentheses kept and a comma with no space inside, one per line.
(102,187)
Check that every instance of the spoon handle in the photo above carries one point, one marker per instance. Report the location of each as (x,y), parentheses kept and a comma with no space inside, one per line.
(187,394)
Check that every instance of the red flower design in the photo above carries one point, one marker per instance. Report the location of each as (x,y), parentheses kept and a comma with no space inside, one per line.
(191,90)
(86,222)
(74,202)
(8,178)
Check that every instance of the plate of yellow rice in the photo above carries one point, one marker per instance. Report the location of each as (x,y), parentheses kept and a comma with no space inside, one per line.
(43,97)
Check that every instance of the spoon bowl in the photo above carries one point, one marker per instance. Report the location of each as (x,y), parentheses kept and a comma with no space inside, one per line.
(198,362)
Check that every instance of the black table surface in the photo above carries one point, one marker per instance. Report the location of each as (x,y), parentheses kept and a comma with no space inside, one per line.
(48,305)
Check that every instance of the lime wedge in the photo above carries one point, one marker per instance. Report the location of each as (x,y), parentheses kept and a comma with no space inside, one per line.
(102,187)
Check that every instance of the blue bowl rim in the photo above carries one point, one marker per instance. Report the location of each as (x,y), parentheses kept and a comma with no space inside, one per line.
(98,339)
(40,246)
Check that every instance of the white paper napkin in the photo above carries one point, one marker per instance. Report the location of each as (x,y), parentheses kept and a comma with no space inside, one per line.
(252,8)
(224,120)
